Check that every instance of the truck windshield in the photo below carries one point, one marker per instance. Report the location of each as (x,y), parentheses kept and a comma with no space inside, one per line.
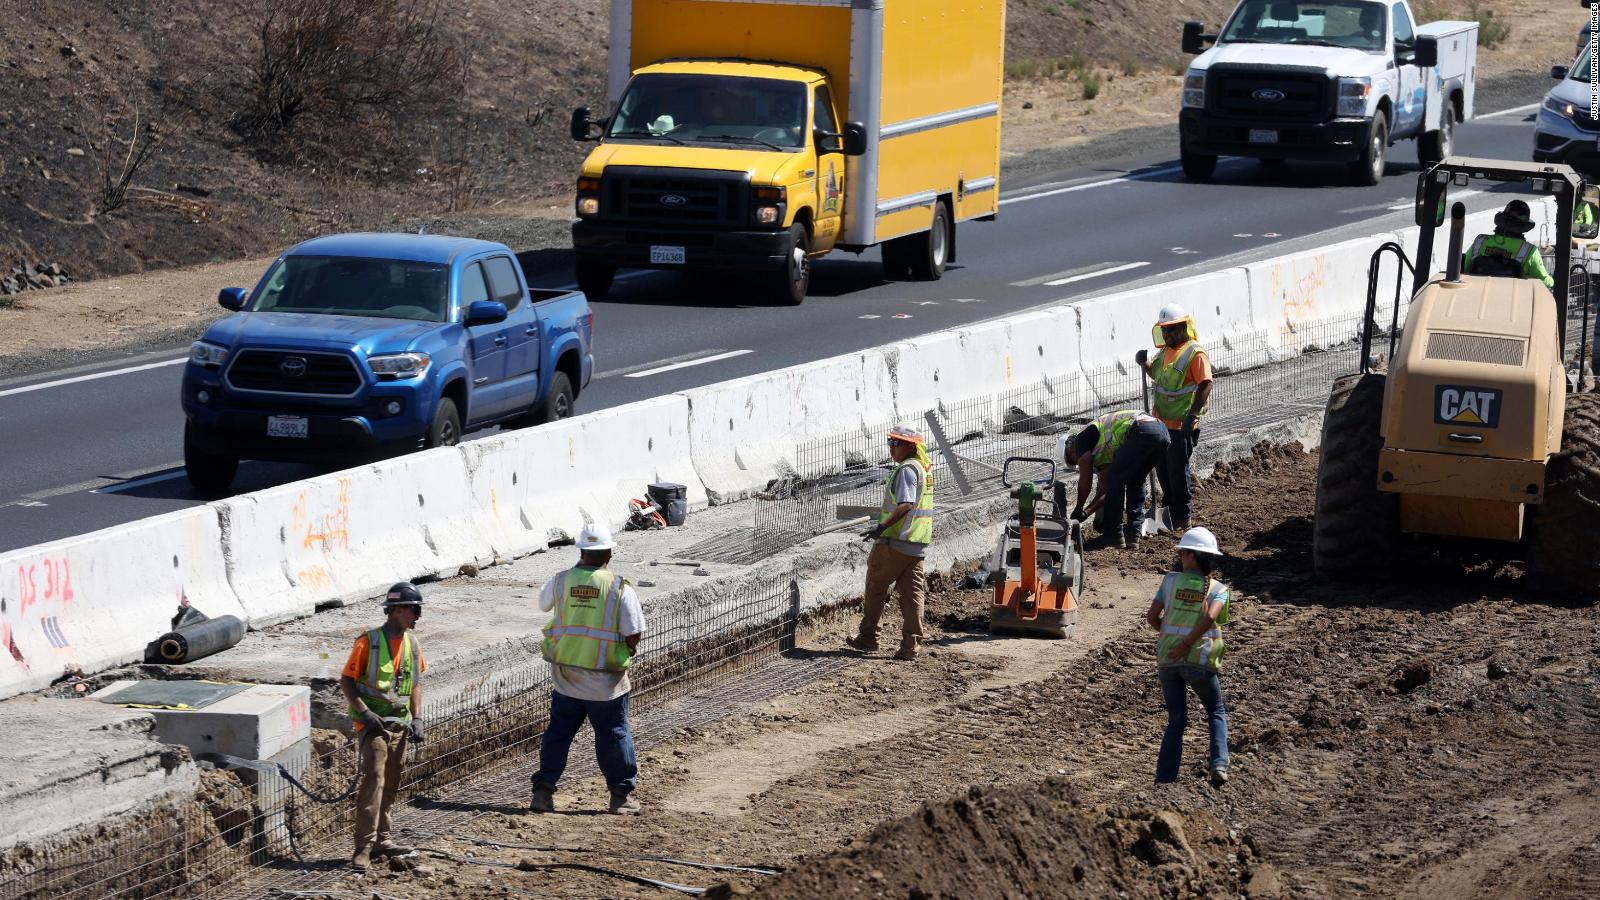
(1325,23)
(352,286)
(764,113)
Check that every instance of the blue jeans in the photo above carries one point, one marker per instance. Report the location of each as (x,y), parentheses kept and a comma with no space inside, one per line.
(613,743)
(1208,687)
(1174,472)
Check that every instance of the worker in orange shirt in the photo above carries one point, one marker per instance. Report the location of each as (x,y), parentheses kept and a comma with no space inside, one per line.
(1181,380)
(384,690)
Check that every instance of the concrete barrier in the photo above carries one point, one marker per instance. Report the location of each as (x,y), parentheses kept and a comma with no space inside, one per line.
(941,370)
(349,535)
(745,433)
(93,602)
(531,487)
(1304,300)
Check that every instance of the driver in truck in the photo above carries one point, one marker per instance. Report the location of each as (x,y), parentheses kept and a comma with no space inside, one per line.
(1506,252)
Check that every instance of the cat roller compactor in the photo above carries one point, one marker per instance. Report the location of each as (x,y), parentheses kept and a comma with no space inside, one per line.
(1038,563)
(1475,430)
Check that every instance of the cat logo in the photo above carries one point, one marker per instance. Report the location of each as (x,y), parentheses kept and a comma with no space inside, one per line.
(1476,407)
(830,195)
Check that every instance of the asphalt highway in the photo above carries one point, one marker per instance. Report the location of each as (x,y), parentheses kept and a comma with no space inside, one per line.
(97,445)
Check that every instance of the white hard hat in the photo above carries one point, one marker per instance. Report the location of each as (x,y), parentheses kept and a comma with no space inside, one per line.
(1171,314)
(1199,540)
(1061,446)
(905,433)
(595,536)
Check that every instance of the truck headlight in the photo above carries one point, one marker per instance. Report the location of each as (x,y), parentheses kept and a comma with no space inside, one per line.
(1194,89)
(206,354)
(767,215)
(588,206)
(588,196)
(1353,96)
(1561,107)
(399,365)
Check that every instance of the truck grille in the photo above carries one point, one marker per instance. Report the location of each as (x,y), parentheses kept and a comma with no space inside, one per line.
(280,371)
(641,194)
(1308,94)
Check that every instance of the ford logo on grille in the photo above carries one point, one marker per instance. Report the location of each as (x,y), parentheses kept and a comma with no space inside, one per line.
(673,200)
(1268,95)
(294,367)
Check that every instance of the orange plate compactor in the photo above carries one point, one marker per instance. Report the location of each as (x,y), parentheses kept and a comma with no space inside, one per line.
(1038,564)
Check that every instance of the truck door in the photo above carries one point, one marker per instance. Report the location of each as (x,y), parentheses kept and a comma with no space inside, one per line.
(487,345)
(522,332)
(1410,102)
(830,171)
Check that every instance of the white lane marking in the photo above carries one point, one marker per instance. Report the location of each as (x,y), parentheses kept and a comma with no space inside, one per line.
(657,363)
(1507,112)
(1087,275)
(98,375)
(1018,198)
(1450,197)
(1067,273)
(686,364)
(130,485)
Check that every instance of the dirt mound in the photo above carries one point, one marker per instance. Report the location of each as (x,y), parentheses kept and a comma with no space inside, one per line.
(1029,841)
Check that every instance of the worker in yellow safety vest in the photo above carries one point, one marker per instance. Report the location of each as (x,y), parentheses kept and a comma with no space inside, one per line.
(589,642)
(1507,252)
(1189,611)
(1180,386)
(1114,455)
(901,535)
(382,683)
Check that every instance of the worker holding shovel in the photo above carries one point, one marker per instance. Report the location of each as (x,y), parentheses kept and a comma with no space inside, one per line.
(1181,380)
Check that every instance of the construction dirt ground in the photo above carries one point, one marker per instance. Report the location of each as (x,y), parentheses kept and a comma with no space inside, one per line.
(1433,736)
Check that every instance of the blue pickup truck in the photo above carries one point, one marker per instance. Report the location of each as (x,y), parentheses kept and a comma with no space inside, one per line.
(358,346)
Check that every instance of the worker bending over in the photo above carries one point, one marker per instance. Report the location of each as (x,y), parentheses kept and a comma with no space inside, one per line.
(1121,448)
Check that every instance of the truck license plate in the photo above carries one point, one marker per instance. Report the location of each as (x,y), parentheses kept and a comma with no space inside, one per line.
(666,255)
(1263,136)
(288,426)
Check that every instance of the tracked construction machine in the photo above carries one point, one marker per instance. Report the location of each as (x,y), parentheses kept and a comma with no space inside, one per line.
(1475,430)
(1038,563)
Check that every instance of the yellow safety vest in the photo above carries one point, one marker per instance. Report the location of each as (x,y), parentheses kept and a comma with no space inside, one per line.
(916,526)
(386,686)
(1184,597)
(586,630)
(1169,382)
(1113,428)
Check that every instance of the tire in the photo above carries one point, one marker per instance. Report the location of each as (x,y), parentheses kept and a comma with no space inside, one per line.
(1197,166)
(1356,526)
(1561,553)
(791,282)
(1368,170)
(558,401)
(595,279)
(1434,146)
(445,431)
(207,472)
(930,251)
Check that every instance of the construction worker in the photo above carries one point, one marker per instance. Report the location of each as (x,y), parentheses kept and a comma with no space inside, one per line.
(1122,448)
(1583,218)
(1506,252)
(1189,611)
(589,643)
(1181,384)
(382,683)
(901,535)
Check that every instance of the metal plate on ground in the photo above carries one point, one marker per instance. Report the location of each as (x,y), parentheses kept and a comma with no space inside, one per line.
(173,694)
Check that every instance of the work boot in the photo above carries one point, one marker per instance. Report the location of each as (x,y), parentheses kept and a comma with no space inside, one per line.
(1219,777)
(544,800)
(1130,540)
(908,649)
(623,805)
(361,860)
(861,642)
(390,849)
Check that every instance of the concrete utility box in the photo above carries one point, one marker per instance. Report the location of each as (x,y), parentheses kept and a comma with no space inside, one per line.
(266,722)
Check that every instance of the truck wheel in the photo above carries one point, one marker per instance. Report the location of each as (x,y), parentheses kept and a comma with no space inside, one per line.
(1356,526)
(208,472)
(594,279)
(1368,170)
(446,428)
(558,401)
(794,279)
(1434,146)
(1561,556)
(1197,166)
(929,252)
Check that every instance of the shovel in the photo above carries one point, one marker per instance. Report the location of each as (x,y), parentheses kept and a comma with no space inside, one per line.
(1159,518)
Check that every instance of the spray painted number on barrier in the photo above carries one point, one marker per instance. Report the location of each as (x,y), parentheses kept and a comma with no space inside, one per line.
(328,531)
(56,586)
(1300,292)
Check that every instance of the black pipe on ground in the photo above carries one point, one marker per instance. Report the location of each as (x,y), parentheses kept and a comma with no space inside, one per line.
(197,640)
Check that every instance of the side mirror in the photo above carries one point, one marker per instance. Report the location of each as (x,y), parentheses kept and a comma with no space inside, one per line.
(1558,72)
(855,139)
(828,141)
(232,299)
(581,123)
(485,312)
(1194,37)
(1425,52)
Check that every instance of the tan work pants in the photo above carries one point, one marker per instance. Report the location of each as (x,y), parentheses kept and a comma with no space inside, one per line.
(886,568)
(382,767)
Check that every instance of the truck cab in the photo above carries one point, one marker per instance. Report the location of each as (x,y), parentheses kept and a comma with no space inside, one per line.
(1327,80)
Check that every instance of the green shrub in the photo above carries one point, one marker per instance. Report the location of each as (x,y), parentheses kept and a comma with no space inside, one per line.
(1492,30)
(1091,85)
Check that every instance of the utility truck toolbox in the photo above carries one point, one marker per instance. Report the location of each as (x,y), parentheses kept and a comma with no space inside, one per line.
(757,136)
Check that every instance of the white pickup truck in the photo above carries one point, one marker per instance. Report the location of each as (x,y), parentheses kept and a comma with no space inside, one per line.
(1330,80)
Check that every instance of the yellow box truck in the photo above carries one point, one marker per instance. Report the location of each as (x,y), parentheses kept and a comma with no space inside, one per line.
(758,135)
